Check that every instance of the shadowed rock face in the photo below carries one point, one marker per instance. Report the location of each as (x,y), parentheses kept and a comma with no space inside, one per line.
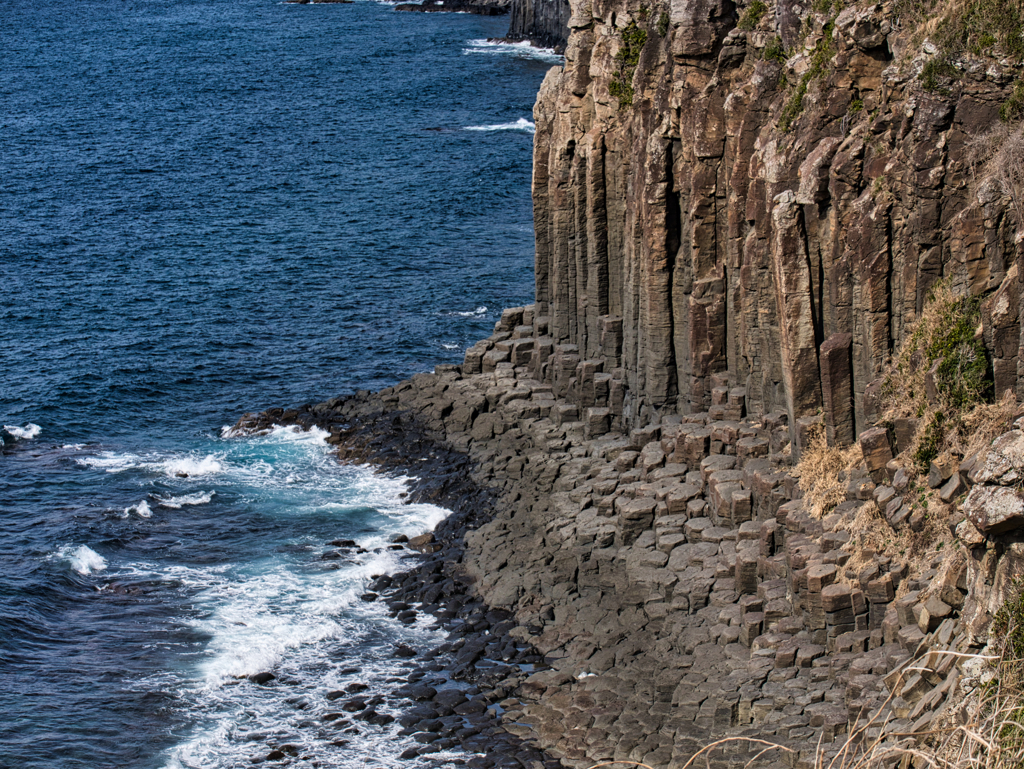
(690,243)
(542,22)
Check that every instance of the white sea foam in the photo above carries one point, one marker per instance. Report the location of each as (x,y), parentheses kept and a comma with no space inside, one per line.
(26,433)
(83,559)
(190,466)
(479,312)
(520,125)
(200,498)
(296,624)
(142,510)
(522,50)
(177,466)
(287,611)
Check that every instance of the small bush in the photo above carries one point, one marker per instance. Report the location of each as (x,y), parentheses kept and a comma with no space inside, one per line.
(1013,108)
(936,74)
(930,444)
(621,91)
(754,13)
(960,415)
(946,330)
(634,38)
(663,24)
(775,51)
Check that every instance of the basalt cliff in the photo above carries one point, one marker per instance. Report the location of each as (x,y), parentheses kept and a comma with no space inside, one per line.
(764,196)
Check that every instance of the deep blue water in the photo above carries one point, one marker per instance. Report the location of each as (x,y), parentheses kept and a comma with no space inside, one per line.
(209,207)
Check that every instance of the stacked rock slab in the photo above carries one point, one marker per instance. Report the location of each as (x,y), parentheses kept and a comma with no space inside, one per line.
(672,195)
(674,582)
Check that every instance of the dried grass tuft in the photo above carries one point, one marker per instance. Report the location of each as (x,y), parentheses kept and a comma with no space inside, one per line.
(986,422)
(822,470)
(996,159)
(984,731)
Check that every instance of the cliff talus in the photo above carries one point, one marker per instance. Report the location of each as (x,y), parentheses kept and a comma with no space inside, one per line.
(762,208)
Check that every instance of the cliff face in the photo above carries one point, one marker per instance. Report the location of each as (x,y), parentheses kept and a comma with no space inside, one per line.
(542,22)
(764,209)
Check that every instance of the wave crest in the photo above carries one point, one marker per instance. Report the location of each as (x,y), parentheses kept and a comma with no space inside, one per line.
(83,559)
(26,433)
(520,125)
(176,503)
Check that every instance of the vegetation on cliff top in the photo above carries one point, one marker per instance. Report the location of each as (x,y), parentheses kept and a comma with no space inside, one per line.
(752,15)
(959,28)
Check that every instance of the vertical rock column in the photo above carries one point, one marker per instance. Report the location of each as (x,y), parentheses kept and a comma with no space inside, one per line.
(837,389)
(796,311)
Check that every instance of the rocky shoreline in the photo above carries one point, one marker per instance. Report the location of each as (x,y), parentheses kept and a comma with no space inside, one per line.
(453,695)
(636,596)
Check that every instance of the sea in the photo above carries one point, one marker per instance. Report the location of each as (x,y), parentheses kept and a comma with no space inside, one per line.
(209,207)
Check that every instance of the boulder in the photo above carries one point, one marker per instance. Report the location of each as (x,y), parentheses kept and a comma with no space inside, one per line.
(994,509)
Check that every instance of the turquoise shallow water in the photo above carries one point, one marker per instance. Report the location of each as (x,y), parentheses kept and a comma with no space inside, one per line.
(209,208)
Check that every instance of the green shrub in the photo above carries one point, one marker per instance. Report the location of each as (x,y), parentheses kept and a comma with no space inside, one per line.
(931,443)
(774,51)
(956,412)
(633,40)
(1013,108)
(621,91)
(962,374)
(663,24)
(754,13)
(936,73)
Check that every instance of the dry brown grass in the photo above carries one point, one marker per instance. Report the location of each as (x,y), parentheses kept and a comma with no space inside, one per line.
(986,422)
(872,534)
(984,730)
(821,470)
(997,161)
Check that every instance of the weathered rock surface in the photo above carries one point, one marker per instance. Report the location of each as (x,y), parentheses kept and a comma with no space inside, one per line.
(543,22)
(704,221)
